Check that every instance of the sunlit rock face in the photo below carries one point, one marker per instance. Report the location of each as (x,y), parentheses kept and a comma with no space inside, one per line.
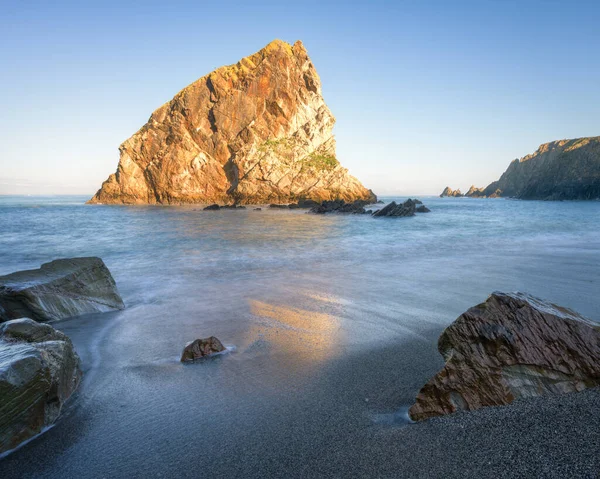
(450,192)
(39,371)
(254,132)
(559,170)
(60,289)
(511,346)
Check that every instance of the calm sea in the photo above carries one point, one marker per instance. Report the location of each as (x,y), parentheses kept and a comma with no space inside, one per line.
(309,306)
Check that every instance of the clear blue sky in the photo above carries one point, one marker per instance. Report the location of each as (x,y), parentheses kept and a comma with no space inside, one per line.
(426,94)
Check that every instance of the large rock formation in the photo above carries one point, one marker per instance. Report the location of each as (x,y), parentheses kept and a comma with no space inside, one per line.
(254,132)
(58,290)
(39,371)
(560,170)
(511,346)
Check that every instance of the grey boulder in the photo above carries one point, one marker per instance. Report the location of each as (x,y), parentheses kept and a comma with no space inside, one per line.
(60,289)
(39,371)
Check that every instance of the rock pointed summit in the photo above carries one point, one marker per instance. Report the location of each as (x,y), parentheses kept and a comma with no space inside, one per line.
(258,131)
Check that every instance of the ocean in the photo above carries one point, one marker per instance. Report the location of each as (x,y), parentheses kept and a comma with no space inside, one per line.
(330,321)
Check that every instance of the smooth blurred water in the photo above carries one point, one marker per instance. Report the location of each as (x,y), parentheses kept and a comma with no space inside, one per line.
(310,304)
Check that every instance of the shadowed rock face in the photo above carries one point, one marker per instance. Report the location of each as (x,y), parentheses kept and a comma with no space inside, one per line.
(511,346)
(59,289)
(254,132)
(560,170)
(39,371)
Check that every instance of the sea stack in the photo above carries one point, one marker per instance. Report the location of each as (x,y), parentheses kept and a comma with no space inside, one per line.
(255,132)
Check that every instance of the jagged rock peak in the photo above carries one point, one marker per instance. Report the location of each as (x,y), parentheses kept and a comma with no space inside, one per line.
(258,131)
(450,192)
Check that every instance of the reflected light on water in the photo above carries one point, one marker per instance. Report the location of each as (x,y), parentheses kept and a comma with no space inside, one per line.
(311,336)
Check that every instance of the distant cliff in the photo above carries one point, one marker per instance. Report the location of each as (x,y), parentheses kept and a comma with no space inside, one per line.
(559,170)
(258,131)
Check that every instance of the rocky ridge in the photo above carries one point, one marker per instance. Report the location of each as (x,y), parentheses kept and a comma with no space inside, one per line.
(559,170)
(256,132)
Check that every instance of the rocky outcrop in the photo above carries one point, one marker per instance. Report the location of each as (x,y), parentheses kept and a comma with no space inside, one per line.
(200,348)
(39,371)
(475,192)
(58,290)
(560,170)
(450,192)
(408,208)
(256,132)
(339,206)
(511,346)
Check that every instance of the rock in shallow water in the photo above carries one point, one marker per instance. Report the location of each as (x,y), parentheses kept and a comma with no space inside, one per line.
(59,289)
(408,208)
(511,346)
(39,371)
(200,348)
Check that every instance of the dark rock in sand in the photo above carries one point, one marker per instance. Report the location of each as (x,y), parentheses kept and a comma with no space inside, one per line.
(39,371)
(59,289)
(293,206)
(274,205)
(201,348)
(512,346)
(257,209)
(214,207)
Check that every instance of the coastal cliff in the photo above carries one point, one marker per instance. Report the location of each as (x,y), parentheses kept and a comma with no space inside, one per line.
(559,170)
(255,132)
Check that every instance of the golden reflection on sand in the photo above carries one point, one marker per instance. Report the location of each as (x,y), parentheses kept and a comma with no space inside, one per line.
(308,335)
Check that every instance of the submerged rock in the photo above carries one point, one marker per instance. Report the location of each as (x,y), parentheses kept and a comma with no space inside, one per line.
(39,371)
(255,132)
(511,346)
(201,348)
(59,289)
(214,207)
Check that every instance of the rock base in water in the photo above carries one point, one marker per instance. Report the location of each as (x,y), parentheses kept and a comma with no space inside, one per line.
(59,289)
(39,371)
(511,346)
(200,348)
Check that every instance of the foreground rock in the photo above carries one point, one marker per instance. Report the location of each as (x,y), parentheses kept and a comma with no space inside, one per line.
(59,289)
(511,346)
(39,371)
(408,208)
(256,132)
(200,348)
